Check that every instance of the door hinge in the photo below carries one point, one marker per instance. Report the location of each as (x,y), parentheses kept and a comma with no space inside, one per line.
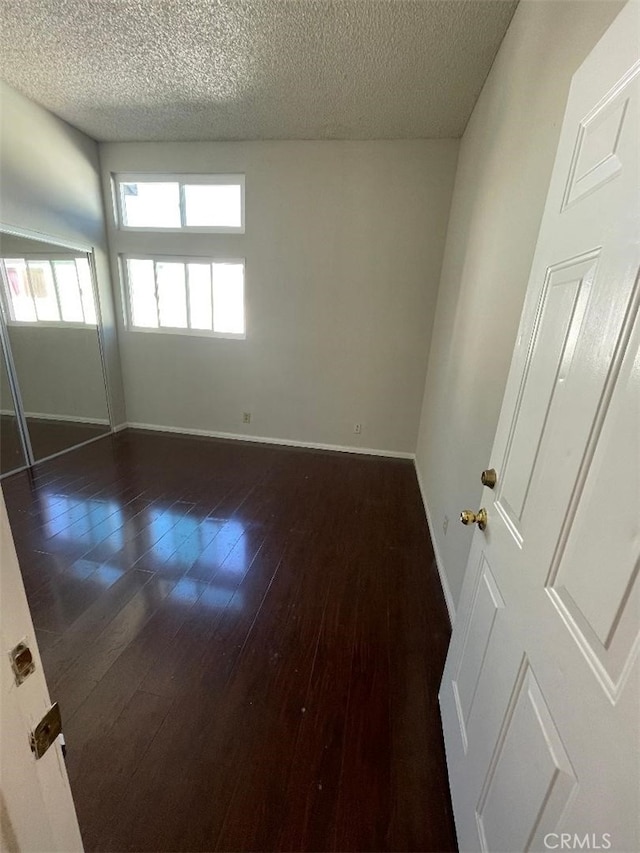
(47,730)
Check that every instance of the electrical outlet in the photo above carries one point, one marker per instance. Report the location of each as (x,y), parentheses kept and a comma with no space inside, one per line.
(445,524)
(357,428)
(246,417)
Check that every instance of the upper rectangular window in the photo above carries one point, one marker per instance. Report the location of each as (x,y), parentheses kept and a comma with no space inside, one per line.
(180,202)
(48,290)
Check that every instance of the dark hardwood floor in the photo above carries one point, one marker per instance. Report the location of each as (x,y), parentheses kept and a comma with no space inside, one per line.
(246,643)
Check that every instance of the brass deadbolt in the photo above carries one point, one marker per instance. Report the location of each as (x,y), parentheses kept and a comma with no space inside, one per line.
(479,518)
(489,478)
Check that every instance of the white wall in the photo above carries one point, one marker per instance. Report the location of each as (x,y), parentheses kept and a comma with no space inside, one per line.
(59,371)
(505,163)
(50,184)
(343,249)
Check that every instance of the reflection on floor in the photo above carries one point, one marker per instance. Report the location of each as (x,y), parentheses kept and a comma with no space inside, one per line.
(246,643)
(47,437)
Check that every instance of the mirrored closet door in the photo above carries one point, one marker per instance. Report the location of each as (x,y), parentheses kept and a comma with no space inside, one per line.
(53,381)
(12,450)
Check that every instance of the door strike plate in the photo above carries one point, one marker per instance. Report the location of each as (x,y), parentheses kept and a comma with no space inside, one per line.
(47,730)
(22,662)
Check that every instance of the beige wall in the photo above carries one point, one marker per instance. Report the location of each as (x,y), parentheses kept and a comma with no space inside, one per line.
(50,184)
(505,162)
(343,249)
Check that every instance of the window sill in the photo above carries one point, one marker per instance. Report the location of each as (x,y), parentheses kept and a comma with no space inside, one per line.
(186,229)
(188,333)
(49,324)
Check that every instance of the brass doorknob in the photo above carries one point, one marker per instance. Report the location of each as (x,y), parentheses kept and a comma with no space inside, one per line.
(489,478)
(479,518)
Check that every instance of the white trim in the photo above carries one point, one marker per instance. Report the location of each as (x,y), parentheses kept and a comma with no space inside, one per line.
(186,229)
(120,427)
(439,563)
(77,419)
(42,416)
(208,259)
(13,230)
(51,324)
(288,442)
(192,333)
(46,256)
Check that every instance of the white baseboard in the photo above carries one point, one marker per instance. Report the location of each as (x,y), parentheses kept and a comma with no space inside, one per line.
(288,442)
(120,427)
(76,419)
(45,416)
(443,577)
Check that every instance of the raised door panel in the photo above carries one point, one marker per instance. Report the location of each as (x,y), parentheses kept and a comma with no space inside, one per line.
(597,156)
(487,602)
(530,778)
(593,580)
(563,303)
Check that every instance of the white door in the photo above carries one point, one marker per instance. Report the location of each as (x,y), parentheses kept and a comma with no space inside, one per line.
(36,808)
(540,696)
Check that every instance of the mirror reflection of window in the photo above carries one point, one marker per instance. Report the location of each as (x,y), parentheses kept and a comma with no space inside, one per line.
(48,290)
(19,298)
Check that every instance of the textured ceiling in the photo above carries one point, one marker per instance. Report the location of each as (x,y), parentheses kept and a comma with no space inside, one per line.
(253,69)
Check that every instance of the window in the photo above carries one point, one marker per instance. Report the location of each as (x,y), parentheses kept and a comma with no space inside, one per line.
(48,290)
(180,202)
(188,295)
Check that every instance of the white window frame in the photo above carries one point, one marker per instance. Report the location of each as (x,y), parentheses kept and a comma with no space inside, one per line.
(181,179)
(181,259)
(7,306)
